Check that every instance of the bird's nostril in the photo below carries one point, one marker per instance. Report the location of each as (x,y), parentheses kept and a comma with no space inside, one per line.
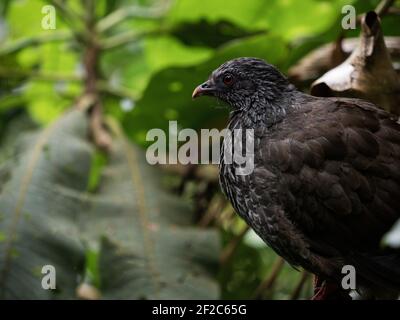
(205,85)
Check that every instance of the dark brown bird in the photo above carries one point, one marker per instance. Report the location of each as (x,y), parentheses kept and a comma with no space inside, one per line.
(326,181)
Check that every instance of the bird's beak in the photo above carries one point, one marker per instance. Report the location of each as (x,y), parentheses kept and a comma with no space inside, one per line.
(206,88)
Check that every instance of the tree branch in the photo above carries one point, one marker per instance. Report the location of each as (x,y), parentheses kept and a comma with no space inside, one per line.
(69,15)
(72,19)
(122,14)
(299,287)
(39,75)
(128,37)
(269,282)
(21,44)
(383,7)
(91,58)
(104,87)
(232,246)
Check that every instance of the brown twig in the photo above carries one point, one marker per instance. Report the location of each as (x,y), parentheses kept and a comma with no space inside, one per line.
(381,10)
(132,11)
(215,207)
(100,135)
(232,246)
(227,215)
(72,19)
(299,287)
(383,7)
(92,51)
(394,11)
(269,282)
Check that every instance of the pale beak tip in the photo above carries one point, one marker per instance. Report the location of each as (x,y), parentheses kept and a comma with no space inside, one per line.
(196,93)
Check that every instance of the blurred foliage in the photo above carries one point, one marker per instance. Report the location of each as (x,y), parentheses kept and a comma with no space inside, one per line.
(130,238)
(152,54)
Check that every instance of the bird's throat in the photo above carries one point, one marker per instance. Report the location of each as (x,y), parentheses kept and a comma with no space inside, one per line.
(262,111)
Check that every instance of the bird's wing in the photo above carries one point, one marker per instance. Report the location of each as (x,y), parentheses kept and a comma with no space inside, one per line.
(338,168)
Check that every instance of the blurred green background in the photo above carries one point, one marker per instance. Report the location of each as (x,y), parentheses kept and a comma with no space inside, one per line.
(151,56)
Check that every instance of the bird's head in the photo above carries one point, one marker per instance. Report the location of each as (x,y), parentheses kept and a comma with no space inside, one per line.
(244,81)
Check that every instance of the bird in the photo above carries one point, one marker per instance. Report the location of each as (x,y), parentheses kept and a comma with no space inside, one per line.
(325,187)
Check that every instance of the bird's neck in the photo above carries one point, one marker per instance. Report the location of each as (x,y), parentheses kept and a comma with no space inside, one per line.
(262,111)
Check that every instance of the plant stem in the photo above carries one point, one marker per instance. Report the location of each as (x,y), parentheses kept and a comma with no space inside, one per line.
(91,59)
(103,86)
(32,41)
(299,287)
(122,14)
(269,282)
(39,75)
(128,37)
(232,246)
(72,19)
(383,7)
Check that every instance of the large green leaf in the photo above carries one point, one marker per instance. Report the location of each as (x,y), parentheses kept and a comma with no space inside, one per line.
(47,217)
(151,250)
(133,66)
(280,17)
(37,222)
(206,34)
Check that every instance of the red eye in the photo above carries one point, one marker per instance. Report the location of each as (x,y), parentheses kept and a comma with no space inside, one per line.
(228,79)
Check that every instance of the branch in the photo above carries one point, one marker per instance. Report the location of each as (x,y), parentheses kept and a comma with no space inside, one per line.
(128,37)
(214,208)
(269,282)
(39,75)
(72,19)
(227,215)
(100,135)
(20,44)
(104,87)
(232,246)
(381,10)
(85,102)
(383,7)
(91,58)
(67,12)
(394,11)
(122,14)
(299,287)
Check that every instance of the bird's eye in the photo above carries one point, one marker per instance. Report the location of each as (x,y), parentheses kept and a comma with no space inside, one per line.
(228,79)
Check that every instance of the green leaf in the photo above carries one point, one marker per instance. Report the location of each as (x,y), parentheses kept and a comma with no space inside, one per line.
(209,34)
(24,18)
(44,103)
(37,218)
(177,55)
(149,248)
(293,19)
(132,67)
(47,217)
(239,13)
(99,161)
(289,18)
